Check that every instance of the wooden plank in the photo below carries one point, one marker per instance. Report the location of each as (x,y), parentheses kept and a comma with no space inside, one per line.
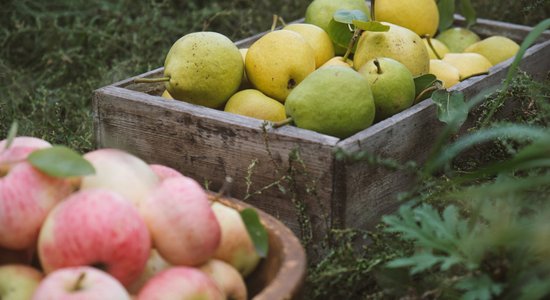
(409,135)
(209,145)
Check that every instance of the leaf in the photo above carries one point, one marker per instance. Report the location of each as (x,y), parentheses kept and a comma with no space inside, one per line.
(469,12)
(372,26)
(451,108)
(479,288)
(60,161)
(527,42)
(421,83)
(340,33)
(446,14)
(12,133)
(256,230)
(346,16)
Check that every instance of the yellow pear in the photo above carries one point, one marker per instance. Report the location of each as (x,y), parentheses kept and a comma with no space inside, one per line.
(495,48)
(203,68)
(398,43)
(420,16)
(279,61)
(439,47)
(458,38)
(320,12)
(468,64)
(252,103)
(166,95)
(245,84)
(444,71)
(318,40)
(338,61)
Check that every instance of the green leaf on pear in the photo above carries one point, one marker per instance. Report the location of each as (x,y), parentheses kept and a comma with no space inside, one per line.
(446,13)
(347,16)
(60,161)
(421,83)
(371,26)
(12,133)
(340,33)
(256,230)
(469,12)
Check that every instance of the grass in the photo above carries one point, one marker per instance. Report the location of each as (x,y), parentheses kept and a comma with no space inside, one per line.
(54,53)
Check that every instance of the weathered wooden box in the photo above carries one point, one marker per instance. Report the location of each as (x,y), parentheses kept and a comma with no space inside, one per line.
(288,172)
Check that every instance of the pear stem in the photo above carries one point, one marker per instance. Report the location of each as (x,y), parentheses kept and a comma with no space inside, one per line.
(429,40)
(283,23)
(378,68)
(226,186)
(372,10)
(151,80)
(427,90)
(78,284)
(282,123)
(354,38)
(274,23)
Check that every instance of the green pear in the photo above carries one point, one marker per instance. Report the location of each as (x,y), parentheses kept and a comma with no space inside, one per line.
(320,12)
(495,48)
(321,103)
(392,86)
(399,43)
(253,103)
(203,68)
(457,38)
(278,61)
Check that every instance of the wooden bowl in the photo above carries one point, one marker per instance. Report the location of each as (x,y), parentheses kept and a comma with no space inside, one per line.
(281,274)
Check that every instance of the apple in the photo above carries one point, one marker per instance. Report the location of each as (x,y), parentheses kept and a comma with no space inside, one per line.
(122,172)
(18,282)
(164,172)
(81,282)
(8,256)
(229,280)
(26,197)
(180,283)
(236,247)
(96,227)
(18,150)
(155,264)
(181,221)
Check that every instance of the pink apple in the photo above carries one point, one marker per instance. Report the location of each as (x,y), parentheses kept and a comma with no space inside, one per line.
(182,224)
(228,279)
(80,283)
(26,197)
(95,227)
(18,281)
(18,151)
(236,247)
(8,256)
(122,172)
(155,264)
(164,172)
(180,283)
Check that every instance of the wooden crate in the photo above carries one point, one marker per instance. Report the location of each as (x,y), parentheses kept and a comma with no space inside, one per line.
(209,145)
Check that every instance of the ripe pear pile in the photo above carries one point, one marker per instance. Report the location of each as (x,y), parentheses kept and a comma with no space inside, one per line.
(301,74)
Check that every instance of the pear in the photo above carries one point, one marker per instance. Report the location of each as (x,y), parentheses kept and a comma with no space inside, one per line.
(279,61)
(392,86)
(203,68)
(420,16)
(338,61)
(444,71)
(245,84)
(495,48)
(468,64)
(320,12)
(458,38)
(398,43)
(318,40)
(166,95)
(252,103)
(439,47)
(320,103)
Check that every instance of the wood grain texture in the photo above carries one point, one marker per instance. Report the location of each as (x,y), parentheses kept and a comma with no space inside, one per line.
(209,145)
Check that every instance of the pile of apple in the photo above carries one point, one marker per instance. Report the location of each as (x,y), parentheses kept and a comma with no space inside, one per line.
(128,231)
(324,74)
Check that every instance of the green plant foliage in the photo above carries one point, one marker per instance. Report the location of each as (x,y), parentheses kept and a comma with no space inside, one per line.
(60,161)
(256,230)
